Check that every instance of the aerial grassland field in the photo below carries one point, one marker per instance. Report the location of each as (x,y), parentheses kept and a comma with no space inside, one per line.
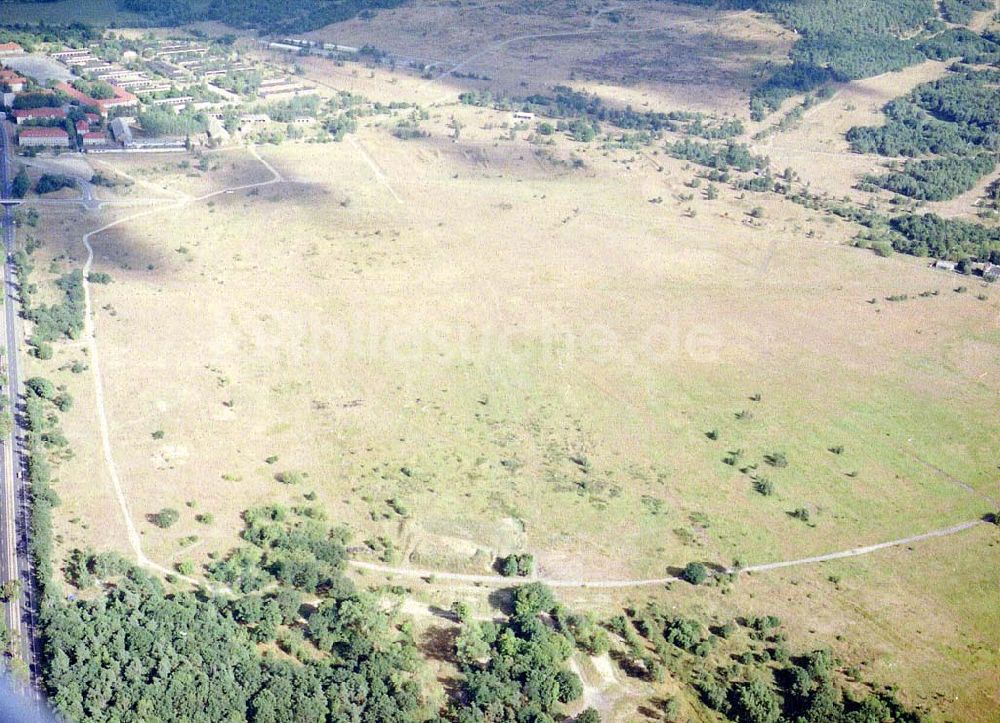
(487,340)
(646,52)
(476,344)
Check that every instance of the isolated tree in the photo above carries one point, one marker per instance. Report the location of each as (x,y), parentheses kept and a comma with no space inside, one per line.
(166,517)
(19,188)
(532,599)
(694,573)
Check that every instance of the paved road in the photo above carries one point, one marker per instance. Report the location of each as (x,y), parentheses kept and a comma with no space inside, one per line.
(15,513)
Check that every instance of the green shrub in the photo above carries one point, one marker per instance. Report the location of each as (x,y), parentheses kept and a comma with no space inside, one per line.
(290,477)
(41,387)
(165,518)
(694,573)
(50,182)
(800,513)
(516,565)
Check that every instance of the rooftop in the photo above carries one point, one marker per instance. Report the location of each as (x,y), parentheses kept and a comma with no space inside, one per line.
(39,113)
(43,133)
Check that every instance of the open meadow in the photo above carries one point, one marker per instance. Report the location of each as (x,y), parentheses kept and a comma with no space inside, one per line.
(544,350)
(646,53)
(488,351)
(464,337)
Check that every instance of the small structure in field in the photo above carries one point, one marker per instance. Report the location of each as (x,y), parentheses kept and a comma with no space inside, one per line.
(121,131)
(251,121)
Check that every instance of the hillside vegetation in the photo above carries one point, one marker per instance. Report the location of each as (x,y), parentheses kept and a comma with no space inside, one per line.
(263,15)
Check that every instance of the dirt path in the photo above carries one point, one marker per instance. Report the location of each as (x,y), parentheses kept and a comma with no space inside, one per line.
(497,581)
(90,340)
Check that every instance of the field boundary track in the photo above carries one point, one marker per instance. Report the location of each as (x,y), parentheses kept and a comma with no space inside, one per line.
(500,581)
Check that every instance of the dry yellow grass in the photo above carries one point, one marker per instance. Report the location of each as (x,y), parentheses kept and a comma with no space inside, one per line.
(479,331)
(443,325)
(667,54)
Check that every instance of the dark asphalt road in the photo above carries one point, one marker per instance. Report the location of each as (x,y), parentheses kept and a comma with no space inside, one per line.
(15,512)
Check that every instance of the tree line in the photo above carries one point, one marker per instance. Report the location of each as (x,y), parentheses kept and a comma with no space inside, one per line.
(262,15)
(566,103)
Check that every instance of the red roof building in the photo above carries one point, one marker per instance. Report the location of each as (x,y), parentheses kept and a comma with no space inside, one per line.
(93,139)
(26,114)
(11,49)
(11,80)
(82,126)
(43,137)
(122,98)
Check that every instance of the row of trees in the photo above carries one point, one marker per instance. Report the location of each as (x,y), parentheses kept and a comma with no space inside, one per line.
(934,236)
(569,104)
(164,122)
(719,157)
(63,319)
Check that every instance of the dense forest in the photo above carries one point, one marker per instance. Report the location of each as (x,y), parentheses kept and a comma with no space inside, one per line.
(956,117)
(843,40)
(138,652)
(263,15)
